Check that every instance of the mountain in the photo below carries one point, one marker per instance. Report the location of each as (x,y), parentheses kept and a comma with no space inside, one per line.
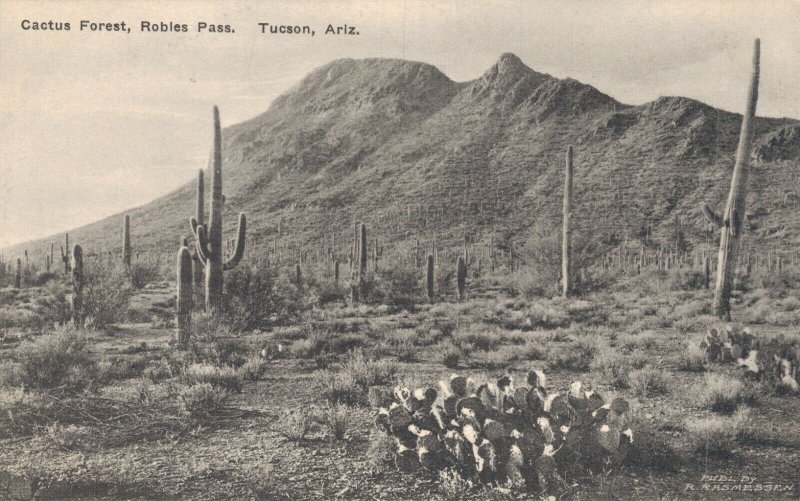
(413,153)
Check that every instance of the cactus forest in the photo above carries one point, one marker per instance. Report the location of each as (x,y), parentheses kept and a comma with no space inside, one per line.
(446,336)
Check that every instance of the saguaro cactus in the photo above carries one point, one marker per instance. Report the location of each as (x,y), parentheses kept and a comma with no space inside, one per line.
(65,257)
(336,273)
(77,285)
(184,300)
(461,277)
(208,242)
(126,243)
(707,272)
(566,243)
(731,222)
(429,278)
(18,275)
(197,264)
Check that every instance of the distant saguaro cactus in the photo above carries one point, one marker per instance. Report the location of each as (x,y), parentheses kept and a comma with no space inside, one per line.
(184,297)
(336,273)
(429,278)
(209,242)
(707,272)
(461,277)
(731,222)
(78,280)
(65,257)
(566,243)
(18,275)
(126,243)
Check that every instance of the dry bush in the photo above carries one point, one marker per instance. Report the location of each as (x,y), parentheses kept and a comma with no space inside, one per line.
(722,393)
(336,421)
(648,381)
(692,358)
(351,384)
(202,400)
(717,435)
(59,360)
(221,377)
(106,294)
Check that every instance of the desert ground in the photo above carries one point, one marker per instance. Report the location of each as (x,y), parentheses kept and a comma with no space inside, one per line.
(278,398)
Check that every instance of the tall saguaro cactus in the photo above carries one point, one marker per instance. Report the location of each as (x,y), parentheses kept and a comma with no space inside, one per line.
(731,222)
(18,275)
(184,299)
(126,243)
(566,243)
(209,241)
(77,285)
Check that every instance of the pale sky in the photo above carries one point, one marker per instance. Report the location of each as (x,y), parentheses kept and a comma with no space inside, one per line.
(97,123)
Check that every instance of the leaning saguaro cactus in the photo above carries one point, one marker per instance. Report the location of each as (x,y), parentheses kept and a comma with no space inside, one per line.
(731,222)
(209,241)
(184,299)
(77,286)
(566,243)
(126,243)
(461,277)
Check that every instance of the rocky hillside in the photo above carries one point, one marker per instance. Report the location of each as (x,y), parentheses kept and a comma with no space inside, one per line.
(401,146)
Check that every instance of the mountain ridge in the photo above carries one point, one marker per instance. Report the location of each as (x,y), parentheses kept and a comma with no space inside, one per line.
(374,138)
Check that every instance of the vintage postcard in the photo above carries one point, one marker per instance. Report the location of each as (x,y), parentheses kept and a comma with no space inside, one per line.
(399,250)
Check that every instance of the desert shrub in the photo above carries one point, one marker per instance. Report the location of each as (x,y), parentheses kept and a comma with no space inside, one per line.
(717,435)
(406,352)
(477,336)
(648,381)
(336,420)
(296,424)
(692,358)
(57,360)
(142,273)
(542,255)
(577,357)
(257,299)
(67,437)
(328,292)
(687,280)
(396,286)
(357,375)
(202,400)
(450,355)
(253,368)
(106,295)
(221,377)
(43,278)
(613,365)
(721,393)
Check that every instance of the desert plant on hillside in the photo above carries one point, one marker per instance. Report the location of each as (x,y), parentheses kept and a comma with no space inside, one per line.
(106,295)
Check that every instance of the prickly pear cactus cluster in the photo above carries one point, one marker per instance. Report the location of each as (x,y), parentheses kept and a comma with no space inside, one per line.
(503,433)
(775,361)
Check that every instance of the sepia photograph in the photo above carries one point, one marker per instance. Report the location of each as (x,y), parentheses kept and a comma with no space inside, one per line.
(399,250)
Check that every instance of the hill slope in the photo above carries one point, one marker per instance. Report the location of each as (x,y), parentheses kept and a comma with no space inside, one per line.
(401,146)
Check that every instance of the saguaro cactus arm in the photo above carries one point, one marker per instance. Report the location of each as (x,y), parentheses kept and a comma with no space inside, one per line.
(238,252)
(712,216)
(202,244)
